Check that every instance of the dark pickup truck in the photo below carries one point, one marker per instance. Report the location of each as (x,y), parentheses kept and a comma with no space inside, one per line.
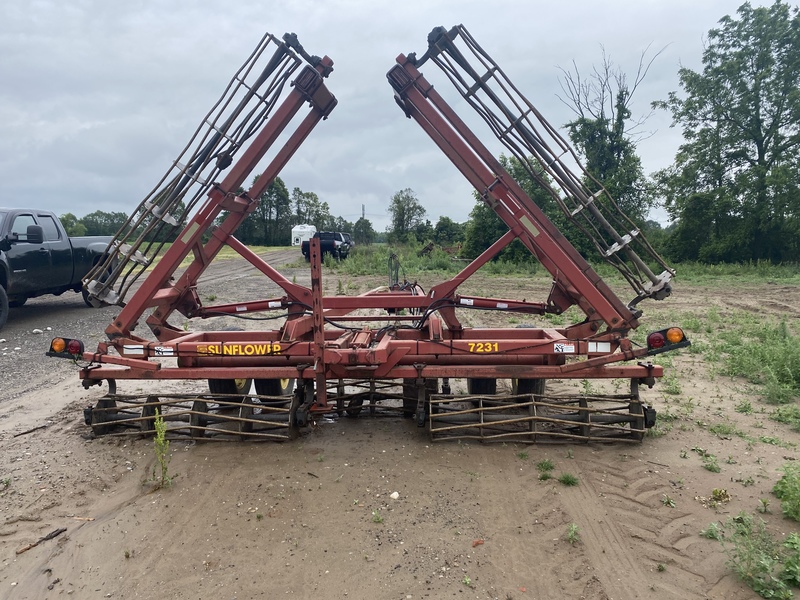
(37,257)
(330,242)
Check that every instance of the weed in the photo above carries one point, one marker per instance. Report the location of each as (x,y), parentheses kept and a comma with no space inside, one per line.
(667,501)
(763,505)
(5,482)
(787,489)
(788,414)
(568,479)
(754,555)
(569,453)
(573,534)
(545,476)
(744,407)
(714,531)
(684,453)
(661,567)
(545,466)
(710,463)
(658,430)
(671,384)
(161,445)
(791,562)
(467,581)
(522,455)
(128,553)
(259,517)
(377,517)
(775,441)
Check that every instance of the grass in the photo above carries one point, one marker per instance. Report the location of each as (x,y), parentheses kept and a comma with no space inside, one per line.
(545,466)
(568,479)
(765,354)
(161,446)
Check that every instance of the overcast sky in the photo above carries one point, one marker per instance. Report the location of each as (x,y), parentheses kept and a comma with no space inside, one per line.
(98,97)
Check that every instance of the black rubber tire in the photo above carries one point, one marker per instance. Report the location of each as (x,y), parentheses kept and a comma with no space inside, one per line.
(274,387)
(3,307)
(230,386)
(528,386)
(17,302)
(482,386)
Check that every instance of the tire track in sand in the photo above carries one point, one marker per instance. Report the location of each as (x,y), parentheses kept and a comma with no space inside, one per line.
(627,535)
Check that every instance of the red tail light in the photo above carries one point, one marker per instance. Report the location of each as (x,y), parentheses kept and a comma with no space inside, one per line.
(66,348)
(666,339)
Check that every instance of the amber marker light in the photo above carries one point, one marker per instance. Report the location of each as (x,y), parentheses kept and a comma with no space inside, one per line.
(675,335)
(65,348)
(666,340)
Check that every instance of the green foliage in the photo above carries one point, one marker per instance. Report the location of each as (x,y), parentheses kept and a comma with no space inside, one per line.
(733,186)
(363,233)
(545,465)
(755,556)
(407,215)
(791,561)
(710,463)
(161,445)
(568,479)
(766,354)
(600,133)
(714,531)
(377,517)
(788,414)
(787,489)
(72,225)
(573,534)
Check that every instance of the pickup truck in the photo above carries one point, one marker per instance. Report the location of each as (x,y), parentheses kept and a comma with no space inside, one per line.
(37,257)
(330,242)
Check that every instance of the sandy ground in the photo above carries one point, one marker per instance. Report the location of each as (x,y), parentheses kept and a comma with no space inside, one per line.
(314,517)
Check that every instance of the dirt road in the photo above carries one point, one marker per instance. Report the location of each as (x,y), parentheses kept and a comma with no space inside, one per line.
(315,517)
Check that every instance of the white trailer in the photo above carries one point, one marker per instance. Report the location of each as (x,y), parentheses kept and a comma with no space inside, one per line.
(301,233)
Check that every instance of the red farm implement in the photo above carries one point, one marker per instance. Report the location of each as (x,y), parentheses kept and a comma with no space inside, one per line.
(395,350)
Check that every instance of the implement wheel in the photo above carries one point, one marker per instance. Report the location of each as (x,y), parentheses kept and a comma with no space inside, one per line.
(274,387)
(230,386)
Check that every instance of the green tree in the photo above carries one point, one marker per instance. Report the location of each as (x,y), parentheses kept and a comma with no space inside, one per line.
(447,232)
(485,227)
(72,225)
(407,216)
(103,223)
(363,233)
(309,209)
(604,132)
(735,185)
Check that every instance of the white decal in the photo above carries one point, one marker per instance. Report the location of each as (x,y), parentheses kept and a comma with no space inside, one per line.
(564,348)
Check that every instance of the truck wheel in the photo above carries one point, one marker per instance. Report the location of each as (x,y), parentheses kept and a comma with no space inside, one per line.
(3,307)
